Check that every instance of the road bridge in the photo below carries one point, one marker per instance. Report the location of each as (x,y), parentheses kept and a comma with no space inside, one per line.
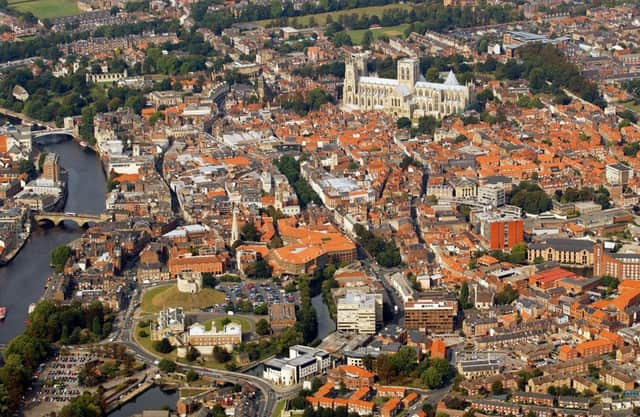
(81,219)
(50,136)
(26,119)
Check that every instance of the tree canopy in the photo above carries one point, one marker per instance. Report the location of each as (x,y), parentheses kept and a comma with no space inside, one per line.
(530,197)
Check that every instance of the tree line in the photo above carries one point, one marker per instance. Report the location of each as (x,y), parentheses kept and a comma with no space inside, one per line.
(49,324)
(290,168)
(384,251)
(47,46)
(548,71)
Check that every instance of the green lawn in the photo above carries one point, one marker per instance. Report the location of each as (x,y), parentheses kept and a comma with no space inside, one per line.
(279,408)
(157,298)
(147,343)
(244,323)
(631,106)
(44,9)
(321,18)
(391,32)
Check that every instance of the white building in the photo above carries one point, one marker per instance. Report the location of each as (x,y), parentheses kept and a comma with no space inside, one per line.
(204,341)
(491,195)
(302,364)
(402,286)
(170,323)
(618,174)
(359,312)
(189,282)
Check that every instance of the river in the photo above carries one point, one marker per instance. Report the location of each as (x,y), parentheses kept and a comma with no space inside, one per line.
(326,325)
(152,399)
(22,281)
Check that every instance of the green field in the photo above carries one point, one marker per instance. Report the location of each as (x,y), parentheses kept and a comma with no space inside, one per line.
(391,32)
(147,343)
(155,299)
(277,412)
(321,18)
(44,9)
(631,106)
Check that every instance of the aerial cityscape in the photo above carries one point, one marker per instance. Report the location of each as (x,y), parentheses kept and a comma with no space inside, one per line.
(319,208)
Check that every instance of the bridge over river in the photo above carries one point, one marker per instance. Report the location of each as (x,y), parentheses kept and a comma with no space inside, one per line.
(48,135)
(81,219)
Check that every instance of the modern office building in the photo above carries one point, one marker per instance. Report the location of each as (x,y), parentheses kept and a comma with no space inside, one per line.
(359,312)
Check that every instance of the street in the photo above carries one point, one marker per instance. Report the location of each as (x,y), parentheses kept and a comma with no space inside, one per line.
(123,332)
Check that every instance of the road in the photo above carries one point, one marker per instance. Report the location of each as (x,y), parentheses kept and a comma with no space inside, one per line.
(376,270)
(269,398)
(26,119)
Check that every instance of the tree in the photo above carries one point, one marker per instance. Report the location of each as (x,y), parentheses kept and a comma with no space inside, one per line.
(367,38)
(610,282)
(250,232)
(192,354)
(258,269)
(404,361)
(261,309)
(59,257)
(192,375)
(507,296)
(427,125)
(155,117)
(85,405)
(162,346)
(221,355)
(167,366)
(135,102)
(96,326)
(341,38)
(433,74)
(4,401)
(403,123)
(263,327)
(390,255)
(530,198)
(463,298)
(518,253)
(628,115)
(432,378)
(496,388)
(631,149)
(27,167)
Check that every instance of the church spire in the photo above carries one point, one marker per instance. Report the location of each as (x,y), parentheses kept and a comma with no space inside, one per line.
(235,231)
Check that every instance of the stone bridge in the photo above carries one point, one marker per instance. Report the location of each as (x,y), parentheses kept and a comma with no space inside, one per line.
(50,136)
(80,219)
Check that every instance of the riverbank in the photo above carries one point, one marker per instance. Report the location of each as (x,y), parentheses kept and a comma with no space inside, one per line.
(23,279)
(7,257)
(29,224)
(152,399)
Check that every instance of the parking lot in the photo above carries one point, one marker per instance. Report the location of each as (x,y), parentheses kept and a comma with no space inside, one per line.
(256,292)
(57,381)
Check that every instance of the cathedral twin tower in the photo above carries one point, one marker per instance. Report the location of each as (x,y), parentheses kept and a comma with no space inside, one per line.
(407,96)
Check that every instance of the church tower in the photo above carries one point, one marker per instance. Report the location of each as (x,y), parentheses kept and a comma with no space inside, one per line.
(235,230)
(408,71)
(355,66)
(261,88)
